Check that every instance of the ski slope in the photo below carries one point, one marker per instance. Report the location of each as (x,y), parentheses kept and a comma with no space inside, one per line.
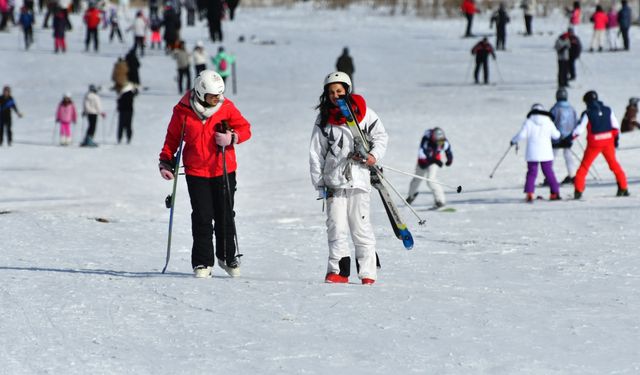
(498,287)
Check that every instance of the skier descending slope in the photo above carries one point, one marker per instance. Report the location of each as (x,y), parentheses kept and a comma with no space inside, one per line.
(342,177)
(201,110)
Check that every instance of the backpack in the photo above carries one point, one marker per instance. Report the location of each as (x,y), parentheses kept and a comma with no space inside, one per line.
(222,65)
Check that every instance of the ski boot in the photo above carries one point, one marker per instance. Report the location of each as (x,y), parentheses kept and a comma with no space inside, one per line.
(622,193)
(202,272)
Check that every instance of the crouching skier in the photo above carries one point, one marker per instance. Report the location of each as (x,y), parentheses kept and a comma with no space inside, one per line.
(199,113)
(343,178)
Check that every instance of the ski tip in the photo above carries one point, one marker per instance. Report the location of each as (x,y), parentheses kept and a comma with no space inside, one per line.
(459,189)
(407,239)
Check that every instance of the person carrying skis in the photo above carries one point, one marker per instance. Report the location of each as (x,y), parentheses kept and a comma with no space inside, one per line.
(538,129)
(6,105)
(566,120)
(65,115)
(482,50)
(222,62)
(630,121)
(201,116)
(432,145)
(342,177)
(92,107)
(602,138)
(501,18)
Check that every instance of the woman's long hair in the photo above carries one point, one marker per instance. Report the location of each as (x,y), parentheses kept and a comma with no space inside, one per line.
(324,104)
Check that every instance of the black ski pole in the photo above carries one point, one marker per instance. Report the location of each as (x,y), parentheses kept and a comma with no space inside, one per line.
(226,193)
(233,77)
(500,161)
(171,199)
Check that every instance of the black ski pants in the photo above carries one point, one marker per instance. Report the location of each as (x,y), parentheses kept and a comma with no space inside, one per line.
(572,68)
(484,64)
(501,38)
(115,30)
(124,125)
(527,23)
(91,34)
(212,211)
(138,43)
(625,37)
(469,23)
(28,36)
(183,73)
(91,130)
(563,73)
(5,126)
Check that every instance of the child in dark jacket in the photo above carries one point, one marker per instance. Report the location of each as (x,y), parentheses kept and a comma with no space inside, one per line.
(26,21)
(629,121)
(6,105)
(59,29)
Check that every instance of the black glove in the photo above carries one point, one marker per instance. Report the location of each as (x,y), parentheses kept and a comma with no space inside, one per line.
(449,162)
(438,163)
(616,140)
(165,164)
(513,143)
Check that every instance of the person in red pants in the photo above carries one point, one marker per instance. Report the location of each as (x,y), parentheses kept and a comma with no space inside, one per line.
(602,138)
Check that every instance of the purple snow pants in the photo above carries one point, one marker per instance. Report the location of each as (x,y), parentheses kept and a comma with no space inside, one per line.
(547,170)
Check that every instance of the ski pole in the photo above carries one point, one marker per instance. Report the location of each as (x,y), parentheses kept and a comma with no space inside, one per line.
(233,77)
(81,128)
(595,170)
(498,70)
(589,170)
(466,76)
(421,221)
(500,161)
(226,192)
(53,136)
(457,189)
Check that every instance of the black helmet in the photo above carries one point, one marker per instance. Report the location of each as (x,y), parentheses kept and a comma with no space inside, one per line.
(562,94)
(590,96)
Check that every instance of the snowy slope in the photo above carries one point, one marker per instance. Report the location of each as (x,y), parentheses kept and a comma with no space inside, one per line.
(498,287)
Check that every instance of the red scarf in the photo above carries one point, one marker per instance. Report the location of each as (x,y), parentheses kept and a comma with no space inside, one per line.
(358,107)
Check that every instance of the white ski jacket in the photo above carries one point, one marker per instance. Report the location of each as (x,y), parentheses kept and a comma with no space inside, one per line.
(538,130)
(331,146)
(92,104)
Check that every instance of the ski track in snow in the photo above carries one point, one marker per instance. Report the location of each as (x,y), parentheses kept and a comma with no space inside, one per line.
(497,287)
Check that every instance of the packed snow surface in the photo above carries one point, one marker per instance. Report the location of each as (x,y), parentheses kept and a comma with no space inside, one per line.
(497,287)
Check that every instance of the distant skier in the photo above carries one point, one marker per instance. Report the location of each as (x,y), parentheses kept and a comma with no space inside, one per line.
(133,74)
(528,10)
(343,178)
(125,112)
(469,9)
(201,113)
(92,107)
(155,25)
(432,145)
(574,52)
(26,21)
(7,103)
(482,50)
(599,20)
(563,50)
(200,58)
(232,5)
(613,27)
(139,27)
(538,129)
(59,31)
(92,20)
(345,64)
(624,19)
(222,63)
(66,114)
(630,121)
(214,17)
(575,14)
(501,18)
(120,74)
(602,138)
(171,23)
(183,64)
(115,24)
(566,120)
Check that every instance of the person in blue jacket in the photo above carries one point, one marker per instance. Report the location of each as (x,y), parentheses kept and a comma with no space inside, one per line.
(6,105)
(624,20)
(26,21)
(565,120)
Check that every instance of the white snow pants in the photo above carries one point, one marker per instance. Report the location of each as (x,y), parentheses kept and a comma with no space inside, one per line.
(430,172)
(568,159)
(348,211)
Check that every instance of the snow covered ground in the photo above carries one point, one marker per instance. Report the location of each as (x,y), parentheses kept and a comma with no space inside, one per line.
(498,287)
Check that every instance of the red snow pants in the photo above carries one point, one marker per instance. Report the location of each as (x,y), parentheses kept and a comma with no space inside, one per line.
(608,150)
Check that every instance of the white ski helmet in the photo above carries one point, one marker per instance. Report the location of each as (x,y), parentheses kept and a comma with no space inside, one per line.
(338,77)
(208,82)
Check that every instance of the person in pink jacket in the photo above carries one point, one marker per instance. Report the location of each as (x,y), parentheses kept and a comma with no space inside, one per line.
(600,21)
(65,115)
(613,28)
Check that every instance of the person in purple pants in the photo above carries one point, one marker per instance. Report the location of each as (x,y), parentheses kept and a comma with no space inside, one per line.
(538,129)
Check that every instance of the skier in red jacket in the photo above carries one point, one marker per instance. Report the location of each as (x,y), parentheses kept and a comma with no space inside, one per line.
(202,114)
(468,8)
(92,20)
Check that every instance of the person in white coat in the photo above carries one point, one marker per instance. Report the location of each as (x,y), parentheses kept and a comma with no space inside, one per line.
(92,107)
(538,129)
(139,27)
(200,58)
(342,177)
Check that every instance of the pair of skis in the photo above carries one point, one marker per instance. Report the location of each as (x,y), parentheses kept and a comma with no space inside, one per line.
(378,181)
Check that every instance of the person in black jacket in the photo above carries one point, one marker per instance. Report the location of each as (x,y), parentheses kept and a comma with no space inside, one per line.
(134,65)
(6,105)
(501,19)
(214,16)
(482,50)
(345,64)
(624,20)
(232,5)
(125,111)
(171,23)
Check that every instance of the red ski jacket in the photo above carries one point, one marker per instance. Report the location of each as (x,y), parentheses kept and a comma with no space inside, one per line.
(92,18)
(201,156)
(468,7)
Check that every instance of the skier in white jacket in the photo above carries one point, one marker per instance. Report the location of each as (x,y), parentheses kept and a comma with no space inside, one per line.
(538,129)
(343,178)
(92,107)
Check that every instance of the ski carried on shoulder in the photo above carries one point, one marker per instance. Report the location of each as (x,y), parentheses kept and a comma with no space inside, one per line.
(362,147)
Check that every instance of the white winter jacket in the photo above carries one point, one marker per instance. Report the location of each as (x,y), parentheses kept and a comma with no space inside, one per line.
(199,57)
(92,104)
(140,27)
(329,156)
(538,130)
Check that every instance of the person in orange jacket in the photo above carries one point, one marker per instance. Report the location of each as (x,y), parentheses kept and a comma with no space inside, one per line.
(600,20)
(92,20)
(468,8)
(213,127)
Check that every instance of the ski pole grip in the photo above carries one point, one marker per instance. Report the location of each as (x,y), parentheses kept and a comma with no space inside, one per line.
(222,126)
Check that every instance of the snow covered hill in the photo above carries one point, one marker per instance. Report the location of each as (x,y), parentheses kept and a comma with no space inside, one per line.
(498,287)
